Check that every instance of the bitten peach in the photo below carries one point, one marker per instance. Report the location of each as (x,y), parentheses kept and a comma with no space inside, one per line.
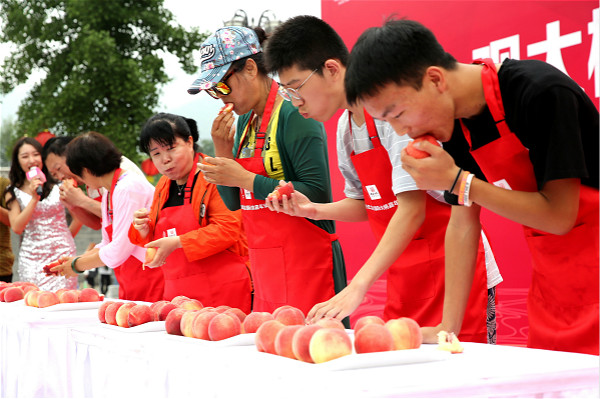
(139,314)
(266,334)
(329,343)
(254,320)
(284,339)
(373,338)
(301,342)
(224,326)
(406,333)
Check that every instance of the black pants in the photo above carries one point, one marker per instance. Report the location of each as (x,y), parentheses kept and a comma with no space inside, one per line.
(7,278)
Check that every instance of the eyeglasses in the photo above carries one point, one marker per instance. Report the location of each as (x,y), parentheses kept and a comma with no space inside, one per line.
(292,94)
(221,87)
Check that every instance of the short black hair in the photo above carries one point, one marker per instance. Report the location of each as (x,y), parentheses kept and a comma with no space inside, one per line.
(164,128)
(304,41)
(94,152)
(57,145)
(398,52)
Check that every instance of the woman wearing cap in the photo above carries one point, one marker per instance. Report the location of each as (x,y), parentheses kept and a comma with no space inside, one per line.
(96,161)
(201,245)
(294,261)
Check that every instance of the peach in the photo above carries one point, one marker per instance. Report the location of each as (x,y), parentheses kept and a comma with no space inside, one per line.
(156,304)
(68,296)
(237,312)
(111,313)
(27,288)
(150,254)
(186,322)
(12,294)
(290,316)
(330,322)
(47,298)
(191,304)
(222,308)
(276,311)
(164,311)
(406,333)
(173,321)
(266,334)
(329,343)
(60,291)
(31,298)
(283,341)
(254,320)
(224,326)
(373,337)
(89,295)
(139,314)
(301,342)
(178,300)
(363,321)
(420,154)
(200,324)
(102,311)
(123,314)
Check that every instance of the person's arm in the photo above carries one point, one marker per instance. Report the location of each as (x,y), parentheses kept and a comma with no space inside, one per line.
(19,218)
(403,225)
(461,247)
(75,226)
(74,197)
(552,209)
(90,260)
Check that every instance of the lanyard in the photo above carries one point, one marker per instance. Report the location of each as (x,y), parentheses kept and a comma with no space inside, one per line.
(109,211)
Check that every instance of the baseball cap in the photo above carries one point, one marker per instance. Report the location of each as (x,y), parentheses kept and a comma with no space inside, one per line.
(226,45)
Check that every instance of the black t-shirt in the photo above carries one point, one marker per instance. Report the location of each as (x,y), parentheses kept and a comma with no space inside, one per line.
(549,113)
(176,194)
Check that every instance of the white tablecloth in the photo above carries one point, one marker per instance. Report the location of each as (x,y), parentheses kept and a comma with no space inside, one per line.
(72,355)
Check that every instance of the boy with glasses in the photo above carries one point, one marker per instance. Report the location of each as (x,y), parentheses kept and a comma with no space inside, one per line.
(409,224)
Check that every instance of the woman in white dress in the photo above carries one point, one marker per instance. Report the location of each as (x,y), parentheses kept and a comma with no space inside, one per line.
(40,220)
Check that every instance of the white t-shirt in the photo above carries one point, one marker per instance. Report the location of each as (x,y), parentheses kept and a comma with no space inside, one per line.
(358,141)
(132,192)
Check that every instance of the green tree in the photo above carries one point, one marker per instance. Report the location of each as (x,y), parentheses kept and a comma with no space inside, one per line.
(9,134)
(103,63)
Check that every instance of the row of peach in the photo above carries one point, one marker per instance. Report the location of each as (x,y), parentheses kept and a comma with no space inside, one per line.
(43,299)
(11,292)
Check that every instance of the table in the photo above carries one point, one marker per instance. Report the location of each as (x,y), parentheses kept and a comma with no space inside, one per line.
(95,361)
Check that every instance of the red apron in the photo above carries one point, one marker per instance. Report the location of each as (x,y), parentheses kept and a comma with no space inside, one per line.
(291,258)
(415,281)
(219,279)
(135,283)
(563,297)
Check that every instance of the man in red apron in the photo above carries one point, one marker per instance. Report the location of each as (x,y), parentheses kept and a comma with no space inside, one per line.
(410,227)
(532,134)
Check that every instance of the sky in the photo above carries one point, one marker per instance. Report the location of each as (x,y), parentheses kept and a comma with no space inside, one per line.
(174,98)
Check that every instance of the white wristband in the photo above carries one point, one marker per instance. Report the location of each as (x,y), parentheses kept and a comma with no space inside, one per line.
(467,189)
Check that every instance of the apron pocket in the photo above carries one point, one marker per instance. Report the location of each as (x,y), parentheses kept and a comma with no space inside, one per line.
(410,280)
(269,275)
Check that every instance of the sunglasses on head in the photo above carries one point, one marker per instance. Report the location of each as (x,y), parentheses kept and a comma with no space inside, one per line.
(221,87)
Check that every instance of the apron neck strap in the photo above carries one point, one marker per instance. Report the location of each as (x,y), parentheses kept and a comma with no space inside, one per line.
(371,128)
(187,190)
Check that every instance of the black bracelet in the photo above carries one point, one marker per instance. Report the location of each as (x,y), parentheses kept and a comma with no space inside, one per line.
(73,262)
(455,180)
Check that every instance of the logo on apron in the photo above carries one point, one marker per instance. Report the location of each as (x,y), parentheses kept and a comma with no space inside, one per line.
(373,192)
(247,194)
(172,232)
(502,184)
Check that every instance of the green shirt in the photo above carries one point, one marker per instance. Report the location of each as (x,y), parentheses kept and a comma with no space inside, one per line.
(302,147)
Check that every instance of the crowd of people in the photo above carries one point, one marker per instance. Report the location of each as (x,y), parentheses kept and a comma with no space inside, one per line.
(518,138)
